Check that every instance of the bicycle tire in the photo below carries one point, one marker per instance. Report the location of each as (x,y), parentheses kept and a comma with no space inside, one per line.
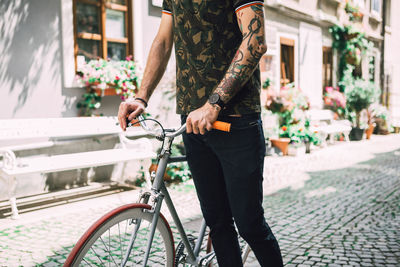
(91,249)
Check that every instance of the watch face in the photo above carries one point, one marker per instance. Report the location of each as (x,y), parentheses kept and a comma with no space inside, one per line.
(214,98)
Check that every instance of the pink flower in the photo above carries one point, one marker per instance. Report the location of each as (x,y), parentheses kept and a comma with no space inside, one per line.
(329,89)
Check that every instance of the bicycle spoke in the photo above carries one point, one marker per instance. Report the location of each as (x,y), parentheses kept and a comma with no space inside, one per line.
(97,255)
(126,227)
(120,243)
(111,246)
(108,251)
(87,262)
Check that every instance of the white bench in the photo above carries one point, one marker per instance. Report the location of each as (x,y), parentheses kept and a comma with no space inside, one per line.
(322,121)
(48,132)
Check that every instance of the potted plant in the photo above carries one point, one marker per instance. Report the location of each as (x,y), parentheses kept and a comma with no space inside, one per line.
(282,143)
(359,95)
(289,105)
(380,117)
(311,137)
(297,140)
(353,11)
(301,138)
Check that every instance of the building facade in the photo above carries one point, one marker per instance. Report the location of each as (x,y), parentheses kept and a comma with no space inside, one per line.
(300,44)
(43,42)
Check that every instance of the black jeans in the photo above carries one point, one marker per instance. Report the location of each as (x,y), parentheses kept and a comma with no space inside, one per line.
(227,170)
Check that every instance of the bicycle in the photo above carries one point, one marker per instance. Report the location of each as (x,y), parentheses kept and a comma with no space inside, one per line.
(147,238)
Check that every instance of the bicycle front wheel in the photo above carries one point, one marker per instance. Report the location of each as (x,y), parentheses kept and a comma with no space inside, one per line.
(107,241)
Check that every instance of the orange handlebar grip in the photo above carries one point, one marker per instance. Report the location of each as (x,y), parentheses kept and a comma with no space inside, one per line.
(222,126)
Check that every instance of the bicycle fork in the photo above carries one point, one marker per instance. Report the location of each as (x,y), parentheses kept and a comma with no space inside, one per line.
(155,211)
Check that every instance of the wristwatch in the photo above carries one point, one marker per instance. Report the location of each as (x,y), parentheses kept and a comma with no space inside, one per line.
(216,99)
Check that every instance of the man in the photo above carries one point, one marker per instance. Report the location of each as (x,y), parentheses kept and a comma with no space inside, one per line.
(218,45)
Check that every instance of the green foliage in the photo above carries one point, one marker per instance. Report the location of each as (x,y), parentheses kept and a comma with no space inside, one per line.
(353,11)
(90,102)
(300,133)
(351,44)
(267,83)
(178,171)
(360,95)
(288,104)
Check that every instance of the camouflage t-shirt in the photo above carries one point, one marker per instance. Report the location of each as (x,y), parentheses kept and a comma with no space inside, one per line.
(206,37)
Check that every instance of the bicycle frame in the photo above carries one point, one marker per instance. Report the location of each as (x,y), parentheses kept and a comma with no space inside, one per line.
(158,193)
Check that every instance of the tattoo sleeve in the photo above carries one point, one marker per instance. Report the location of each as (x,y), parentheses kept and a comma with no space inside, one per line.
(251,23)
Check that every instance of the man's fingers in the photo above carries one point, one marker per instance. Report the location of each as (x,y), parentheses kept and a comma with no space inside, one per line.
(135,113)
(209,126)
(202,127)
(189,125)
(195,127)
(122,115)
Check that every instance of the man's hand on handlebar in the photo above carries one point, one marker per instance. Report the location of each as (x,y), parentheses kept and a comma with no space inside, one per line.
(202,119)
(130,109)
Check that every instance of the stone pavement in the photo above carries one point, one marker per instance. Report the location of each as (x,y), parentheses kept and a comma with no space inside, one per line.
(338,206)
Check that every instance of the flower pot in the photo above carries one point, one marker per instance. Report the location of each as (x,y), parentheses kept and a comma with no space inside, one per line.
(105,92)
(296,150)
(308,147)
(381,126)
(154,167)
(356,134)
(282,144)
(369,131)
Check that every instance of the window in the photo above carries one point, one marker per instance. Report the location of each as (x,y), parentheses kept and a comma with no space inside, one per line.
(376,6)
(102,29)
(287,61)
(359,3)
(327,59)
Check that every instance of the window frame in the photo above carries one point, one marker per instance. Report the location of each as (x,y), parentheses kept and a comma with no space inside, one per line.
(376,12)
(103,5)
(283,76)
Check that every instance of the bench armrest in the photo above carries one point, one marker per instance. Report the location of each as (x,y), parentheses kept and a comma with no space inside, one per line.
(9,159)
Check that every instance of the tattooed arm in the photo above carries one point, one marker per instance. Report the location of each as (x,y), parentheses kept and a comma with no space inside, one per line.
(251,23)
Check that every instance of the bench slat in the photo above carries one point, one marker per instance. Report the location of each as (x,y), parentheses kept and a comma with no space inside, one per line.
(77,161)
(17,129)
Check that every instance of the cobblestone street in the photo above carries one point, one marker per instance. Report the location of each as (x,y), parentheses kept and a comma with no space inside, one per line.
(338,206)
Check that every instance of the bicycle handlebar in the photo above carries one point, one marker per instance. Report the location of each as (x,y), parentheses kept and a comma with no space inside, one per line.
(218,125)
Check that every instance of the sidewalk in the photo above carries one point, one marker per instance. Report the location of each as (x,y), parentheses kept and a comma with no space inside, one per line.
(335,207)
